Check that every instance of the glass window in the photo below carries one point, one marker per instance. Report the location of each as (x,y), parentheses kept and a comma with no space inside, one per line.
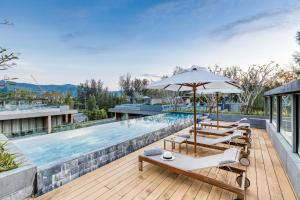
(286,118)
(274,111)
(267,107)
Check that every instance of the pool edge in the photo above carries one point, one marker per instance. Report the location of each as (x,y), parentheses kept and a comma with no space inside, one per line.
(61,173)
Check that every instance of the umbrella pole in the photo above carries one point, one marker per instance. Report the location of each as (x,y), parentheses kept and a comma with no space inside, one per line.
(195,119)
(217,94)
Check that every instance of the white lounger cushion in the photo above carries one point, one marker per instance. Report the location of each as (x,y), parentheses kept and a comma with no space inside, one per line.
(230,156)
(212,141)
(218,132)
(189,163)
(221,123)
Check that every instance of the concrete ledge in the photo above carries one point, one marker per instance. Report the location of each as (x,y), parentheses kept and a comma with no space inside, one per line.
(254,120)
(291,87)
(55,175)
(17,183)
(137,112)
(289,160)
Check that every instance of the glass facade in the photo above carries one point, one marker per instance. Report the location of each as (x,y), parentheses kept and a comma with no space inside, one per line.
(274,111)
(267,108)
(286,118)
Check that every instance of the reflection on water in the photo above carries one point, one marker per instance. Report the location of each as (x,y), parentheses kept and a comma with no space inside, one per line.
(52,147)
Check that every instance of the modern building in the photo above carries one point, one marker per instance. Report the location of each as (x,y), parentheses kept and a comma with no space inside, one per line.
(282,105)
(31,119)
(127,111)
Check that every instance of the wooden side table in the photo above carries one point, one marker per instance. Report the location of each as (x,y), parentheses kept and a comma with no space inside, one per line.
(176,140)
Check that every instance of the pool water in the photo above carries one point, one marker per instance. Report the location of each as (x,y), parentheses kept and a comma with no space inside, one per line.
(49,148)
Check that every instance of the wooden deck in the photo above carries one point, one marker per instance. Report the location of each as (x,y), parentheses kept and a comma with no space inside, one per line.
(121,179)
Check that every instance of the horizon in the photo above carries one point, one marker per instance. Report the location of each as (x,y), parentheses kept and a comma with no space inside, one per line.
(69,42)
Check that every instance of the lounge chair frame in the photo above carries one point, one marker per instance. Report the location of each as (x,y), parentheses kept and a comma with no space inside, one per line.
(243,128)
(246,137)
(240,191)
(244,147)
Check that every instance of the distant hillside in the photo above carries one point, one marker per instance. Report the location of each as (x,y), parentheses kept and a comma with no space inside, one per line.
(66,88)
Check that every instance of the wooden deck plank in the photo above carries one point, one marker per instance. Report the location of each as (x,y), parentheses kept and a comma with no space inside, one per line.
(284,183)
(167,194)
(122,180)
(156,187)
(132,180)
(226,194)
(195,187)
(205,188)
(274,188)
(262,183)
(216,192)
(251,174)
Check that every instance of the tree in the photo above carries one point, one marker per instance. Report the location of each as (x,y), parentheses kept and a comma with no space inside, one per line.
(69,101)
(92,103)
(133,88)
(126,86)
(93,95)
(285,75)
(54,97)
(297,54)
(6,58)
(211,101)
(253,81)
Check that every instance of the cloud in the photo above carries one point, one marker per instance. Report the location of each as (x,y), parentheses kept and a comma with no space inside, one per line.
(89,49)
(174,11)
(258,22)
(75,41)
(70,36)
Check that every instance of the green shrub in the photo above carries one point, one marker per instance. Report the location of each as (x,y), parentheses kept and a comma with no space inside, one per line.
(7,160)
(96,114)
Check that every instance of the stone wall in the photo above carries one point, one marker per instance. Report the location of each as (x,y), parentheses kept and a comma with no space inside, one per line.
(17,184)
(55,175)
(289,160)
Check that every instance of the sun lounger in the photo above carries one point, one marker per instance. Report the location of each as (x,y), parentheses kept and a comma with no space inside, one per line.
(221,132)
(186,165)
(242,125)
(212,143)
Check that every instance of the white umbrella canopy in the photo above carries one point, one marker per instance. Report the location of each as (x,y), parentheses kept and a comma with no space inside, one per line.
(196,77)
(193,79)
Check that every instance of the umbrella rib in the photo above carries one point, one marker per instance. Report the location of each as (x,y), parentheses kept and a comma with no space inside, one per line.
(166,86)
(233,84)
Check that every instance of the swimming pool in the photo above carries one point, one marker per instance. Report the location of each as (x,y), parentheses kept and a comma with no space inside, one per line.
(50,148)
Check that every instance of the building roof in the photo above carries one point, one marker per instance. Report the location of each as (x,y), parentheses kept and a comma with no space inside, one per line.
(289,88)
(34,112)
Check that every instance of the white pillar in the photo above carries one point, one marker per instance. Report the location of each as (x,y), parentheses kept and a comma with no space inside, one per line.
(72,118)
(49,125)
(67,118)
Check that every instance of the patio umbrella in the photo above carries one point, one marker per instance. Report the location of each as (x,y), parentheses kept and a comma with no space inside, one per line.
(223,90)
(193,79)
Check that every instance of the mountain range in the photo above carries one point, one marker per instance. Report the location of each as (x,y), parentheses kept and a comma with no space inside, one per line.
(66,88)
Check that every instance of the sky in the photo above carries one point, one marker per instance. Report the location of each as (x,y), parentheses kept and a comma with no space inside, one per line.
(64,41)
